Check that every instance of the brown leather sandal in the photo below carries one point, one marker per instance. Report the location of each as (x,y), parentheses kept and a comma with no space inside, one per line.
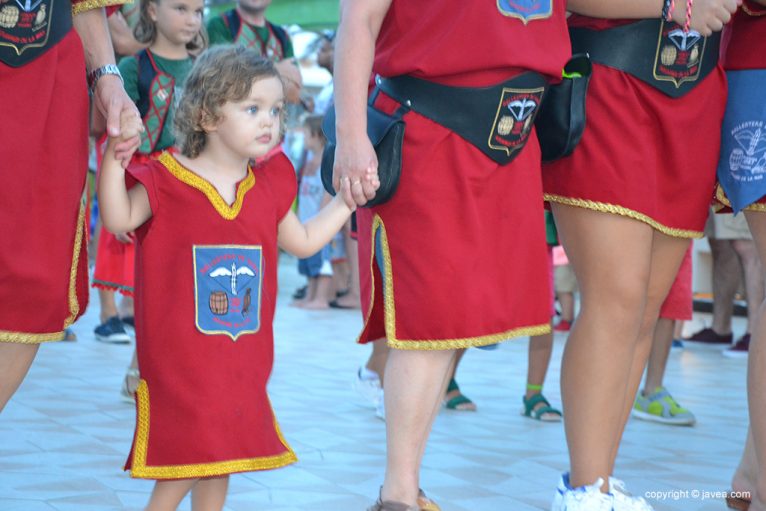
(424,504)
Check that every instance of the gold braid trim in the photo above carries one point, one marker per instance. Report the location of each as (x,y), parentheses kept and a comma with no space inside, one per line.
(27,338)
(604,207)
(88,5)
(721,197)
(141,471)
(74,305)
(195,181)
(430,344)
(751,12)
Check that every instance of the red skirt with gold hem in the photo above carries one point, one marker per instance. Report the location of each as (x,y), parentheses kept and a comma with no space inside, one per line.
(644,155)
(457,258)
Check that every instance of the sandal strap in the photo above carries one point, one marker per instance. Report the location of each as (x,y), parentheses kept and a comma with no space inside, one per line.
(532,410)
(390,505)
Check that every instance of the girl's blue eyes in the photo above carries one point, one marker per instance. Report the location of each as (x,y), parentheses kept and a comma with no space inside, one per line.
(274,112)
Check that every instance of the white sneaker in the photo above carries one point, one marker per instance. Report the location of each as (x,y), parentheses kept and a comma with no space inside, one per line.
(368,388)
(583,498)
(623,500)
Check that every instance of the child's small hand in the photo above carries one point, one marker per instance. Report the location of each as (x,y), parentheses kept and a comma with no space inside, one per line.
(130,125)
(345,193)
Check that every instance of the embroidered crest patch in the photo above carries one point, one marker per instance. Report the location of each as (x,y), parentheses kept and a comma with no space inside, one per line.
(25,24)
(526,10)
(227,284)
(514,119)
(678,55)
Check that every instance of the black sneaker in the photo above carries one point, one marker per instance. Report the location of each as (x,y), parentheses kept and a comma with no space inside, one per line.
(112,331)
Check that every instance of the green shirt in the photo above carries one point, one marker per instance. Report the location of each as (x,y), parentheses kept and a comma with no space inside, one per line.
(178,69)
(218,33)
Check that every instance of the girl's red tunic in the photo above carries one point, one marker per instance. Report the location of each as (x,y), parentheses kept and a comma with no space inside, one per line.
(206,282)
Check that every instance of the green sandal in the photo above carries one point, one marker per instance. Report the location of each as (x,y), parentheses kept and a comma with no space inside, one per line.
(539,413)
(459,402)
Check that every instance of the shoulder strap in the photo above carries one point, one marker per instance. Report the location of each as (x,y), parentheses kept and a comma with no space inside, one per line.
(281,35)
(232,21)
(146,73)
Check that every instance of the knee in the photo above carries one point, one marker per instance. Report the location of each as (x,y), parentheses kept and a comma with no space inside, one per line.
(623,301)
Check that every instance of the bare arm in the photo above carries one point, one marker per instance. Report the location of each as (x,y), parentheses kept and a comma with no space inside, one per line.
(122,210)
(708,16)
(110,96)
(354,52)
(122,36)
(291,77)
(305,240)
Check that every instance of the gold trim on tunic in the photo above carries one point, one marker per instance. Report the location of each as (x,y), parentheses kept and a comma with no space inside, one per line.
(189,177)
(389,308)
(605,207)
(140,470)
(721,197)
(88,5)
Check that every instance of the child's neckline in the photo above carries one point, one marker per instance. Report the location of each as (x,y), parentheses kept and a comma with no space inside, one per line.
(193,179)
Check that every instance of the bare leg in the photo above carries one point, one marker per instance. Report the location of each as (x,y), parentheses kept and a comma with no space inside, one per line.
(15,360)
(167,495)
(352,298)
(602,343)
(125,308)
(666,258)
(538,359)
(658,357)
(756,372)
(469,406)
(413,389)
(210,494)
(725,282)
(108,304)
(322,292)
(378,357)
(745,477)
(752,274)
(567,306)
(678,329)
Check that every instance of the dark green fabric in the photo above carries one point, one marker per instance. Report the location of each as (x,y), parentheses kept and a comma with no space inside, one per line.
(178,69)
(219,33)
(551,234)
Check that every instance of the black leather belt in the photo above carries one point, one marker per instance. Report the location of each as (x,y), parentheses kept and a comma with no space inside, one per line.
(657,52)
(29,28)
(497,120)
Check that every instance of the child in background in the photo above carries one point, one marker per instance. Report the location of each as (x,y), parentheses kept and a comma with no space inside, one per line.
(154,79)
(311,196)
(207,224)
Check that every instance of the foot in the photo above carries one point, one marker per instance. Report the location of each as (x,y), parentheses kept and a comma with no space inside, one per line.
(347,301)
(367,384)
(315,305)
(69,335)
(582,498)
(677,344)
(740,348)
(112,331)
(742,486)
(129,385)
(538,408)
(710,336)
(659,406)
(455,400)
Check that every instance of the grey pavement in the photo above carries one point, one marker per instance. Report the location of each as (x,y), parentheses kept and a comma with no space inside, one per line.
(65,435)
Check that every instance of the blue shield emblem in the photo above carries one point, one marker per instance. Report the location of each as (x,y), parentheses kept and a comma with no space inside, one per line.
(227,285)
(526,10)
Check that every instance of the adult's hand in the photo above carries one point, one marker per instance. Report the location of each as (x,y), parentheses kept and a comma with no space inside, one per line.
(356,160)
(291,77)
(112,100)
(708,16)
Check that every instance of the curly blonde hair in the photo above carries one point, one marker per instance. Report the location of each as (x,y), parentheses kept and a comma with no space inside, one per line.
(220,75)
(145,30)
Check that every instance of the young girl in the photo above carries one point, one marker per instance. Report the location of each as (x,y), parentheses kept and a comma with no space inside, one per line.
(153,79)
(207,224)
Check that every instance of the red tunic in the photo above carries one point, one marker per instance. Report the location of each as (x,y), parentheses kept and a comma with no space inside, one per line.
(44,147)
(462,242)
(206,283)
(643,155)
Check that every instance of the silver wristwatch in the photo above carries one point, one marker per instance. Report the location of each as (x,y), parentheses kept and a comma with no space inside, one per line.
(96,74)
